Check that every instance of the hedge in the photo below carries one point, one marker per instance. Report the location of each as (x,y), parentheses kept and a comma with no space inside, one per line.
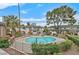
(42,49)
(4,43)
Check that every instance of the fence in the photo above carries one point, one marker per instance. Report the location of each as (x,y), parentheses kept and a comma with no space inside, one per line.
(22,47)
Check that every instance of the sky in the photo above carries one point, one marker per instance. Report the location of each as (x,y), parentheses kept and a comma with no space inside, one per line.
(33,12)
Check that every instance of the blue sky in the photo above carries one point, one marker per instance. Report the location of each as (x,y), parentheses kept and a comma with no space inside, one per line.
(33,12)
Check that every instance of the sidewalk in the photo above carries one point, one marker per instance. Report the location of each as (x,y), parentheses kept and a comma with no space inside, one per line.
(2,52)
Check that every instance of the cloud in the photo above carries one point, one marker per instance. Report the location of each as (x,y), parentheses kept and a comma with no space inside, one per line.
(33,19)
(5,5)
(41,22)
(24,12)
(39,5)
(77,18)
(44,14)
(0,19)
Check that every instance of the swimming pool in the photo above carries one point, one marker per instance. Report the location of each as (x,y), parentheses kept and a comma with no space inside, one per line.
(42,40)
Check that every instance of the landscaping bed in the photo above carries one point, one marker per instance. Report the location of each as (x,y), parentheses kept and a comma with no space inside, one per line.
(51,49)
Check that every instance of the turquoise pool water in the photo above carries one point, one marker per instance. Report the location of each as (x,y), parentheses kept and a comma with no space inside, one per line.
(42,40)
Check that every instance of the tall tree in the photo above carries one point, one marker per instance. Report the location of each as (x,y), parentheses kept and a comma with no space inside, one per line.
(11,23)
(23,26)
(58,16)
(29,26)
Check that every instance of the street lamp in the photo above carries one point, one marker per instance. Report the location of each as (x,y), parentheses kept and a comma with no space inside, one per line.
(19,16)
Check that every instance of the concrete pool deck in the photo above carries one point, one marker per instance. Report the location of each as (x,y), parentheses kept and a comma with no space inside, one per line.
(2,52)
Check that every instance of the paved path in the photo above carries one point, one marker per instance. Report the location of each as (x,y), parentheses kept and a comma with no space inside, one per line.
(12,51)
(2,52)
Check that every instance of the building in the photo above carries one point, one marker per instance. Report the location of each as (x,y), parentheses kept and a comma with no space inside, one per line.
(2,30)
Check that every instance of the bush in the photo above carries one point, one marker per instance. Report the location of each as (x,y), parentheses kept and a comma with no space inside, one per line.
(18,34)
(46,31)
(53,49)
(66,45)
(38,49)
(41,49)
(30,32)
(4,43)
(74,39)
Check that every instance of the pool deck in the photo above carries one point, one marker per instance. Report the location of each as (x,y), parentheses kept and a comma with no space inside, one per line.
(58,40)
(2,52)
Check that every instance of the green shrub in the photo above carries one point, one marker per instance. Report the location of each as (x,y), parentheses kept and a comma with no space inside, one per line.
(45,49)
(74,39)
(41,49)
(30,32)
(53,49)
(18,34)
(4,43)
(38,48)
(66,45)
(46,31)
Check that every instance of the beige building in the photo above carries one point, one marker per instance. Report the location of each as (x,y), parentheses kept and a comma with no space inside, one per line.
(2,30)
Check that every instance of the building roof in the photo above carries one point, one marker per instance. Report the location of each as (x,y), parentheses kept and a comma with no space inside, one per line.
(1,24)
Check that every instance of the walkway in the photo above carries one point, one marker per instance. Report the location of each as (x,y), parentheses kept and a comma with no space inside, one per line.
(2,52)
(13,51)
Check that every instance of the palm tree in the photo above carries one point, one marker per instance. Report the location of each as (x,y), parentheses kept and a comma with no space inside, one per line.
(23,26)
(11,23)
(29,26)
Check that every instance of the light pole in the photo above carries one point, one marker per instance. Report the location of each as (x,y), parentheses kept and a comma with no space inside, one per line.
(19,14)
